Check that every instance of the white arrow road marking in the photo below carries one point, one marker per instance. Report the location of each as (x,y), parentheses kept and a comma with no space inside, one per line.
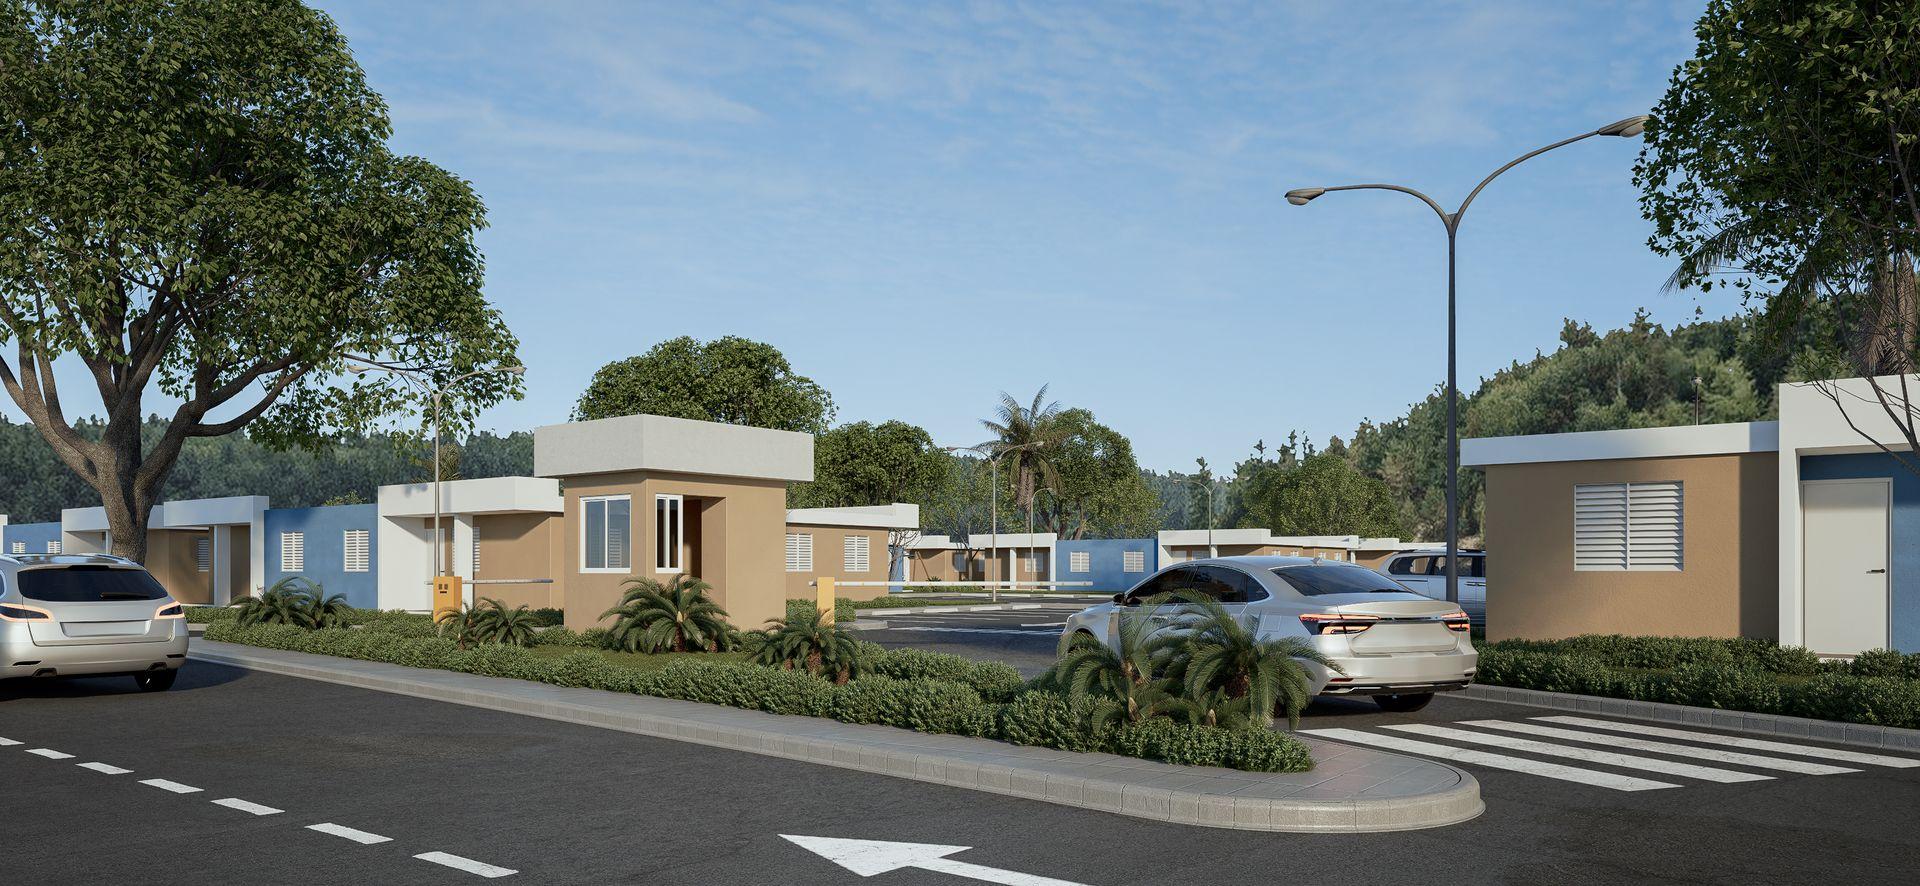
(104,768)
(361,837)
(50,754)
(244,806)
(173,786)
(465,864)
(870,857)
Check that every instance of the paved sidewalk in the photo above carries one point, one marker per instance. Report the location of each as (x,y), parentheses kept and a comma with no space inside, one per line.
(1352,789)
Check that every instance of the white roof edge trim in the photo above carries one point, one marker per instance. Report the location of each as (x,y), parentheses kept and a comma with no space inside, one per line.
(1721,439)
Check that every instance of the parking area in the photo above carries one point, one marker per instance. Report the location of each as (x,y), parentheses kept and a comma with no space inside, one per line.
(1024,637)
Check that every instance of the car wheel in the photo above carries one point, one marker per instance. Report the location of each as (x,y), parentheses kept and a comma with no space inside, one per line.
(155,681)
(1403,704)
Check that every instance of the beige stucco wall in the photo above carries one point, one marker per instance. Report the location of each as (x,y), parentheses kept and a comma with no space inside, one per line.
(741,542)
(829,559)
(521,546)
(170,558)
(1726,588)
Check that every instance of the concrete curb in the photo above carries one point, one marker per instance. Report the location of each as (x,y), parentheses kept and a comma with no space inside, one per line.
(1352,790)
(1880,737)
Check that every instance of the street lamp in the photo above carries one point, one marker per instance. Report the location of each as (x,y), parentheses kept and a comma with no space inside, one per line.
(416,377)
(993,481)
(1627,128)
(1208,486)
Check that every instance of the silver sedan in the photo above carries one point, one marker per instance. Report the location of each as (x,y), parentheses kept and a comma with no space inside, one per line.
(78,615)
(1390,643)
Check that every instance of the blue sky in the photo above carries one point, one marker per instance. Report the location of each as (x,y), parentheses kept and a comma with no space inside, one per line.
(924,204)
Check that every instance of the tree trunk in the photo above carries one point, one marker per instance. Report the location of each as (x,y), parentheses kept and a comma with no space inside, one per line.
(1884,341)
(128,505)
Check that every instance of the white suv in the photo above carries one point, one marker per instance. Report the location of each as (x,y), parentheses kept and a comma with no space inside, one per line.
(1425,572)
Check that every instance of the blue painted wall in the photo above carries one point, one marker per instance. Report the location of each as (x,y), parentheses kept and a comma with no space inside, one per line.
(36,535)
(325,530)
(1105,567)
(1905,555)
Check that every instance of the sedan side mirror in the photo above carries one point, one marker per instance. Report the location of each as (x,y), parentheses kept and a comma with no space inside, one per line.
(1120,598)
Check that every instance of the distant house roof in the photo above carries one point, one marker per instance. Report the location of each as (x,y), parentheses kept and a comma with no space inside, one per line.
(1720,439)
(671,445)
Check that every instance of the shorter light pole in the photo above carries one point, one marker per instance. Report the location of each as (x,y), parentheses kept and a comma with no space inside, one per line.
(993,482)
(416,377)
(1208,485)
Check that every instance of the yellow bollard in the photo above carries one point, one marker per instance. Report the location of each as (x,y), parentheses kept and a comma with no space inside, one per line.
(447,597)
(823,598)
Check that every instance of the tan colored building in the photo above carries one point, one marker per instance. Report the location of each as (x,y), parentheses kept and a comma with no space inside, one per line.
(1010,557)
(652,497)
(1656,531)
(853,544)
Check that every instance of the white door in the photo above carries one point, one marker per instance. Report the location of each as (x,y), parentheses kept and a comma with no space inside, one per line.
(1846,565)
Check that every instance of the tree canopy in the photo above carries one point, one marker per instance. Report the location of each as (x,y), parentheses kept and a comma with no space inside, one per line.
(867,464)
(730,380)
(198,199)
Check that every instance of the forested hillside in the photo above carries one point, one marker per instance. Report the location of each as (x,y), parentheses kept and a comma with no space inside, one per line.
(37,485)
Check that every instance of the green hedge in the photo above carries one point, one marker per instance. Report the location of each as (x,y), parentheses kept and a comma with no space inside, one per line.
(906,689)
(1880,688)
(803,610)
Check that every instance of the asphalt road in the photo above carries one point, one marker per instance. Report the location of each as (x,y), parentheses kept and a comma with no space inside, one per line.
(560,803)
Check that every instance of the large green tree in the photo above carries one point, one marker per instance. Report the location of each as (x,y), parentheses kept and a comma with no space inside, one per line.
(1784,160)
(1098,489)
(867,464)
(1324,495)
(196,197)
(731,380)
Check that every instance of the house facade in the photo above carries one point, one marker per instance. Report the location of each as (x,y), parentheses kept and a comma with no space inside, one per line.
(1805,530)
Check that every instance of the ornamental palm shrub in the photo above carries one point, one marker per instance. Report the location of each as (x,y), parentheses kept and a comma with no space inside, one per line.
(674,617)
(296,601)
(461,625)
(495,623)
(1122,674)
(810,644)
(1206,648)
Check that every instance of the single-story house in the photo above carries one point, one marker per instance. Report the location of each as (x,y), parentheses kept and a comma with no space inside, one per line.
(1804,530)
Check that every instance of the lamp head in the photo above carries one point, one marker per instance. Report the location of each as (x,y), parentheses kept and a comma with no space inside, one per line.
(1627,128)
(1303,196)
(358,369)
(515,370)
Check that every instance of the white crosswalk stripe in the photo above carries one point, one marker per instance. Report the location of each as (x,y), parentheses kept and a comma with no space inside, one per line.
(1588,755)
(1493,761)
(1734,741)
(1662,747)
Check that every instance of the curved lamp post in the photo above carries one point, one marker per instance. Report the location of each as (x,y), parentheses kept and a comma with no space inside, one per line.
(993,481)
(416,377)
(1632,126)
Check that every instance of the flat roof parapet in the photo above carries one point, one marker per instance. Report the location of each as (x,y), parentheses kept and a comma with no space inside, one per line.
(671,445)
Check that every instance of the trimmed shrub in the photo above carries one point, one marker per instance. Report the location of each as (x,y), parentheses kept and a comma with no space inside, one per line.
(742,685)
(1255,750)
(994,681)
(1712,685)
(549,617)
(921,705)
(1050,720)
(843,610)
(1885,663)
(1876,700)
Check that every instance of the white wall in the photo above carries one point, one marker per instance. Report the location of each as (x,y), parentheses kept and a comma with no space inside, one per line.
(406,563)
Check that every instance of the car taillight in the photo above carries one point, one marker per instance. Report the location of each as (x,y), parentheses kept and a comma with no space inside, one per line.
(1457,622)
(170,610)
(1336,623)
(17,612)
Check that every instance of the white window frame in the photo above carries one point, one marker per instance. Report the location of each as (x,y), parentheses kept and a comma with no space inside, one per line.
(666,557)
(856,554)
(293,557)
(587,501)
(1030,561)
(55,546)
(1133,561)
(799,552)
(356,542)
(961,563)
(202,554)
(1079,561)
(19,547)
(1653,511)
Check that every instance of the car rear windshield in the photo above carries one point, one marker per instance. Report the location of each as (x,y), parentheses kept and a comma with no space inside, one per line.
(88,584)
(1316,581)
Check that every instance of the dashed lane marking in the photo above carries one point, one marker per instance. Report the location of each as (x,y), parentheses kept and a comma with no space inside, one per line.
(7,742)
(358,836)
(466,864)
(173,786)
(104,768)
(245,806)
(50,754)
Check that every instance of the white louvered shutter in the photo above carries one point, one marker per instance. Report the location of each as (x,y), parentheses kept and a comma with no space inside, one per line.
(1628,526)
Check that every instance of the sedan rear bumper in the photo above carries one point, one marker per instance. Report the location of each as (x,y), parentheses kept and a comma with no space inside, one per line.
(20,657)
(1395,674)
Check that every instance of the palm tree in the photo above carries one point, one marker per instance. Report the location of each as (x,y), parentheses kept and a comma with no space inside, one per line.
(1026,436)
(674,617)
(495,623)
(1209,649)
(461,625)
(805,641)
(297,601)
(1123,673)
